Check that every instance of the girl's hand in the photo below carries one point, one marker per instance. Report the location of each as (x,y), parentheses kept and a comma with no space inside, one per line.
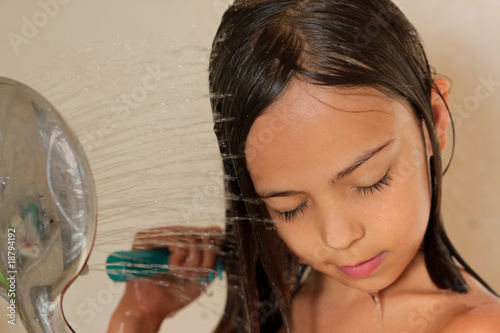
(146,302)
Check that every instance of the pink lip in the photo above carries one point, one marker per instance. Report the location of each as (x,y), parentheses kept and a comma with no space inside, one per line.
(363,269)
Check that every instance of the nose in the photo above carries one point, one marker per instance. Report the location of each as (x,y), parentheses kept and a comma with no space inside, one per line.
(340,230)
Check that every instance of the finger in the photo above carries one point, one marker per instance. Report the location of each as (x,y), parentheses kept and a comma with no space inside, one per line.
(142,241)
(209,253)
(195,256)
(148,239)
(178,256)
(157,237)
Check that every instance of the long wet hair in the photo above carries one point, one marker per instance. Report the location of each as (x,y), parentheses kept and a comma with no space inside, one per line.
(259,48)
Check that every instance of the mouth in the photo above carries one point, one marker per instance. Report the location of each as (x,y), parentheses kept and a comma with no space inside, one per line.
(364,268)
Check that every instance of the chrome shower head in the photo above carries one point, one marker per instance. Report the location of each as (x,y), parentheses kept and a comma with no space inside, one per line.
(47,208)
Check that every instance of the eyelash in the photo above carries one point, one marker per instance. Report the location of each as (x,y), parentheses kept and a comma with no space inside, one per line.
(292,214)
(378,186)
(366,190)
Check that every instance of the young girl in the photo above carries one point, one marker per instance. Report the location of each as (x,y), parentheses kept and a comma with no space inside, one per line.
(330,126)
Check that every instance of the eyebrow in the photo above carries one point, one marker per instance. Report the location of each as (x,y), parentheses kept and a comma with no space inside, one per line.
(359,162)
(362,159)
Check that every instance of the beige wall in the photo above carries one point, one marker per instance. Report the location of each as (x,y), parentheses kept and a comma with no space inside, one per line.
(89,53)
(461,38)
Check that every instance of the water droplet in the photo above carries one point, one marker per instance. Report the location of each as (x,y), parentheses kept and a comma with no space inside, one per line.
(376,299)
(3,184)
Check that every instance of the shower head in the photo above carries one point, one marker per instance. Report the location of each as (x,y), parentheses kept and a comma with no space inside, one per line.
(47,208)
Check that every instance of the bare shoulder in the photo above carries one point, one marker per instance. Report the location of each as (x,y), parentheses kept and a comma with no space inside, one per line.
(480,318)
(479,313)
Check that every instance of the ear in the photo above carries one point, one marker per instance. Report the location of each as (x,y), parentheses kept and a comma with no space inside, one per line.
(440,111)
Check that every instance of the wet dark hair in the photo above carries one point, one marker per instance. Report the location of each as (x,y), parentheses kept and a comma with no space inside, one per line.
(262,46)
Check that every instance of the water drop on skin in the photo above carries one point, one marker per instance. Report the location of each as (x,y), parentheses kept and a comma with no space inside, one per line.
(376,299)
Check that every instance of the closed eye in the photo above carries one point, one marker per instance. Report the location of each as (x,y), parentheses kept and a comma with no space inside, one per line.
(292,214)
(378,186)
(365,190)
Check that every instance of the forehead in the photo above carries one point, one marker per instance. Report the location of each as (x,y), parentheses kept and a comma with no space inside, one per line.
(309,121)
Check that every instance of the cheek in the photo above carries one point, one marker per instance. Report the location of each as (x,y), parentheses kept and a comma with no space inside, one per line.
(405,215)
(302,242)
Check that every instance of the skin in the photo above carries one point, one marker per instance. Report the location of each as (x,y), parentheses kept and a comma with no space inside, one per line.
(341,221)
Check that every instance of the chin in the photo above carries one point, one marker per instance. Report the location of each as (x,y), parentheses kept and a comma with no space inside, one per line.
(370,287)
(371,284)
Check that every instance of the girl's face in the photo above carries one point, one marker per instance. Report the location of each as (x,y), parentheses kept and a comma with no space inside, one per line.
(344,173)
